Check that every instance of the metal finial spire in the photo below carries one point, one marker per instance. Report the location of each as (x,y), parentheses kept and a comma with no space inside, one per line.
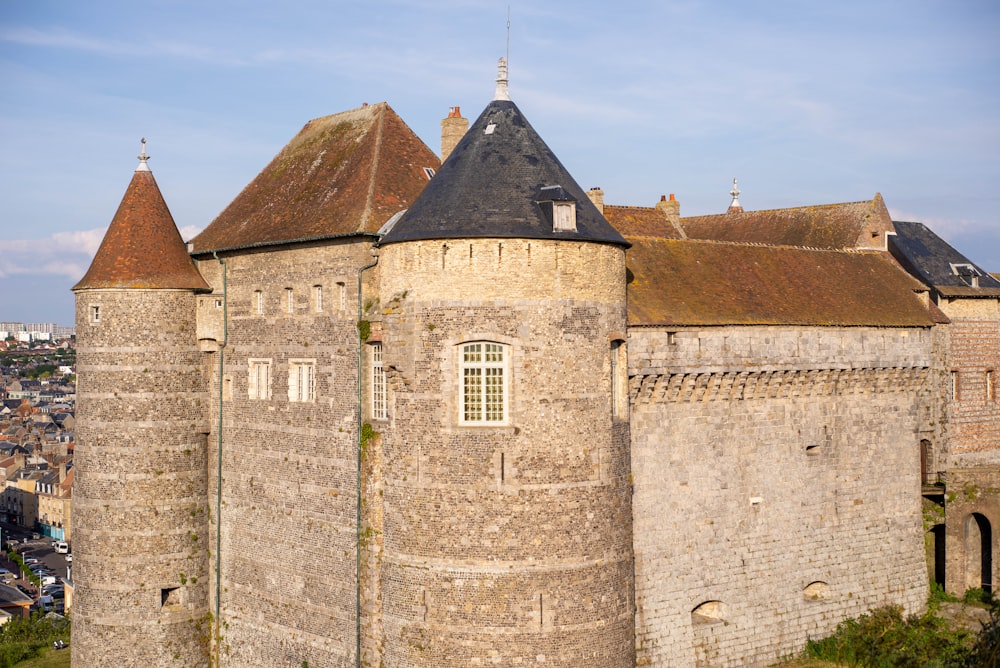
(502,93)
(143,158)
(735,206)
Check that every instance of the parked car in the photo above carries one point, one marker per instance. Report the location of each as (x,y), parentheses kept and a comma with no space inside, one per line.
(69,558)
(61,547)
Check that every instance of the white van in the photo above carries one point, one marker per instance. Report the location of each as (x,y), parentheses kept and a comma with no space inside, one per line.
(61,547)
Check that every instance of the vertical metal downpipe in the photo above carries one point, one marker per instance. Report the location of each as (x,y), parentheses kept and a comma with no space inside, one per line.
(218,496)
(357,549)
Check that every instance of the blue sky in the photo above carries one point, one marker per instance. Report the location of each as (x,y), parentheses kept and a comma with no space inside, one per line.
(805,102)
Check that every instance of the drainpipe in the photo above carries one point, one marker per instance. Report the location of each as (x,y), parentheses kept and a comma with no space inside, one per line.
(218,497)
(357,565)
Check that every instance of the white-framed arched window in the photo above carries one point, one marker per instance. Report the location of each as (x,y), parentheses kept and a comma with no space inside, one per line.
(484,374)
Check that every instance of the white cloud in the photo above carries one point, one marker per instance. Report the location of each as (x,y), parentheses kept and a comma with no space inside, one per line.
(65,254)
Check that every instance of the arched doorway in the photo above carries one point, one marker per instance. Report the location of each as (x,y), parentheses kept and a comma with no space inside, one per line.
(978,553)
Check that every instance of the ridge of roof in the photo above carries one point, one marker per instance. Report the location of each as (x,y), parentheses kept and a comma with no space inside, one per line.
(142,247)
(490,187)
(837,225)
(341,175)
(707,283)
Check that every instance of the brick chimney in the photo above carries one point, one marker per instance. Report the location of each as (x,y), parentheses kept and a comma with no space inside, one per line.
(671,208)
(596,196)
(453,128)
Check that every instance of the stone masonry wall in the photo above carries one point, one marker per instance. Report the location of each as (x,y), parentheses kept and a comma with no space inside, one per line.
(776,485)
(289,468)
(506,544)
(140,485)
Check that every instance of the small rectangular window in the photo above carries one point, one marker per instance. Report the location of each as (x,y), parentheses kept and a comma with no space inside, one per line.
(302,380)
(564,216)
(258,298)
(95,313)
(379,392)
(260,379)
(318,298)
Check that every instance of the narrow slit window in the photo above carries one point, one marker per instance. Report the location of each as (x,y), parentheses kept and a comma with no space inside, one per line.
(379,392)
(318,298)
(290,295)
(990,386)
(258,300)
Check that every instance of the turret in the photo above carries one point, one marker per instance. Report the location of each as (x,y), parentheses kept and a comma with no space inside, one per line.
(507,533)
(139,491)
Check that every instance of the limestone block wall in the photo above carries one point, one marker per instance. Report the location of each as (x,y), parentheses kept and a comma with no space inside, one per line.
(776,485)
(289,461)
(506,544)
(140,487)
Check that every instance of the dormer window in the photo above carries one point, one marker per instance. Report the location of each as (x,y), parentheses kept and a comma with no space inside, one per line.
(559,207)
(968,273)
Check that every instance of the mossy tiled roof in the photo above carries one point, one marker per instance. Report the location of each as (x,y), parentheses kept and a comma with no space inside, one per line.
(142,247)
(847,225)
(641,221)
(341,175)
(685,282)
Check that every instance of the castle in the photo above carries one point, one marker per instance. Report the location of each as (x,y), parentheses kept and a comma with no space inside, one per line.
(392,411)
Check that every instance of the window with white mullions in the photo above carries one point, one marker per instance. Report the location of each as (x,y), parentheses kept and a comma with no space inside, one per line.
(302,380)
(379,393)
(484,386)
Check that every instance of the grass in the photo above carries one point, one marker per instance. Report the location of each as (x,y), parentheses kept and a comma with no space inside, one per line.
(49,659)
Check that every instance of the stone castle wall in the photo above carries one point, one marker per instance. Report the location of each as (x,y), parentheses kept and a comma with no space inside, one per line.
(289,468)
(776,485)
(141,539)
(506,544)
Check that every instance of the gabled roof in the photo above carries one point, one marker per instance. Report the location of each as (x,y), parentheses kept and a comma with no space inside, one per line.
(684,282)
(142,247)
(642,221)
(491,187)
(341,175)
(936,263)
(831,226)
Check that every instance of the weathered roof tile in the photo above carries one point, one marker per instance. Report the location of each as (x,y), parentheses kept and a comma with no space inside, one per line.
(684,282)
(340,175)
(142,247)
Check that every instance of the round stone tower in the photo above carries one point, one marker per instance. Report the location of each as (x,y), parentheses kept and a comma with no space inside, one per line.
(507,517)
(139,493)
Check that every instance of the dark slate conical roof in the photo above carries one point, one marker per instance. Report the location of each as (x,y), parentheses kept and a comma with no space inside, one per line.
(142,247)
(491,185)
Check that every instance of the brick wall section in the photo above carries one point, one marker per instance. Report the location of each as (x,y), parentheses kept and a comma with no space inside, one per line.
(972,520)
(973,418)
(289,468)
(139,488)
(531,564)
(766,460)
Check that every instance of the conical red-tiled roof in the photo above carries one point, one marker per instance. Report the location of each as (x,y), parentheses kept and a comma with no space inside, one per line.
(142,247)
(342,174)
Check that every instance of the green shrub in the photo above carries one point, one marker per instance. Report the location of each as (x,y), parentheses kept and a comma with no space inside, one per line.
(884,639)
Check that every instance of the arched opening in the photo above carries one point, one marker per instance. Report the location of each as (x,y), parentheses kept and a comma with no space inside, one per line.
(816,591)
(937,554)
(708,612)
(978,553)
